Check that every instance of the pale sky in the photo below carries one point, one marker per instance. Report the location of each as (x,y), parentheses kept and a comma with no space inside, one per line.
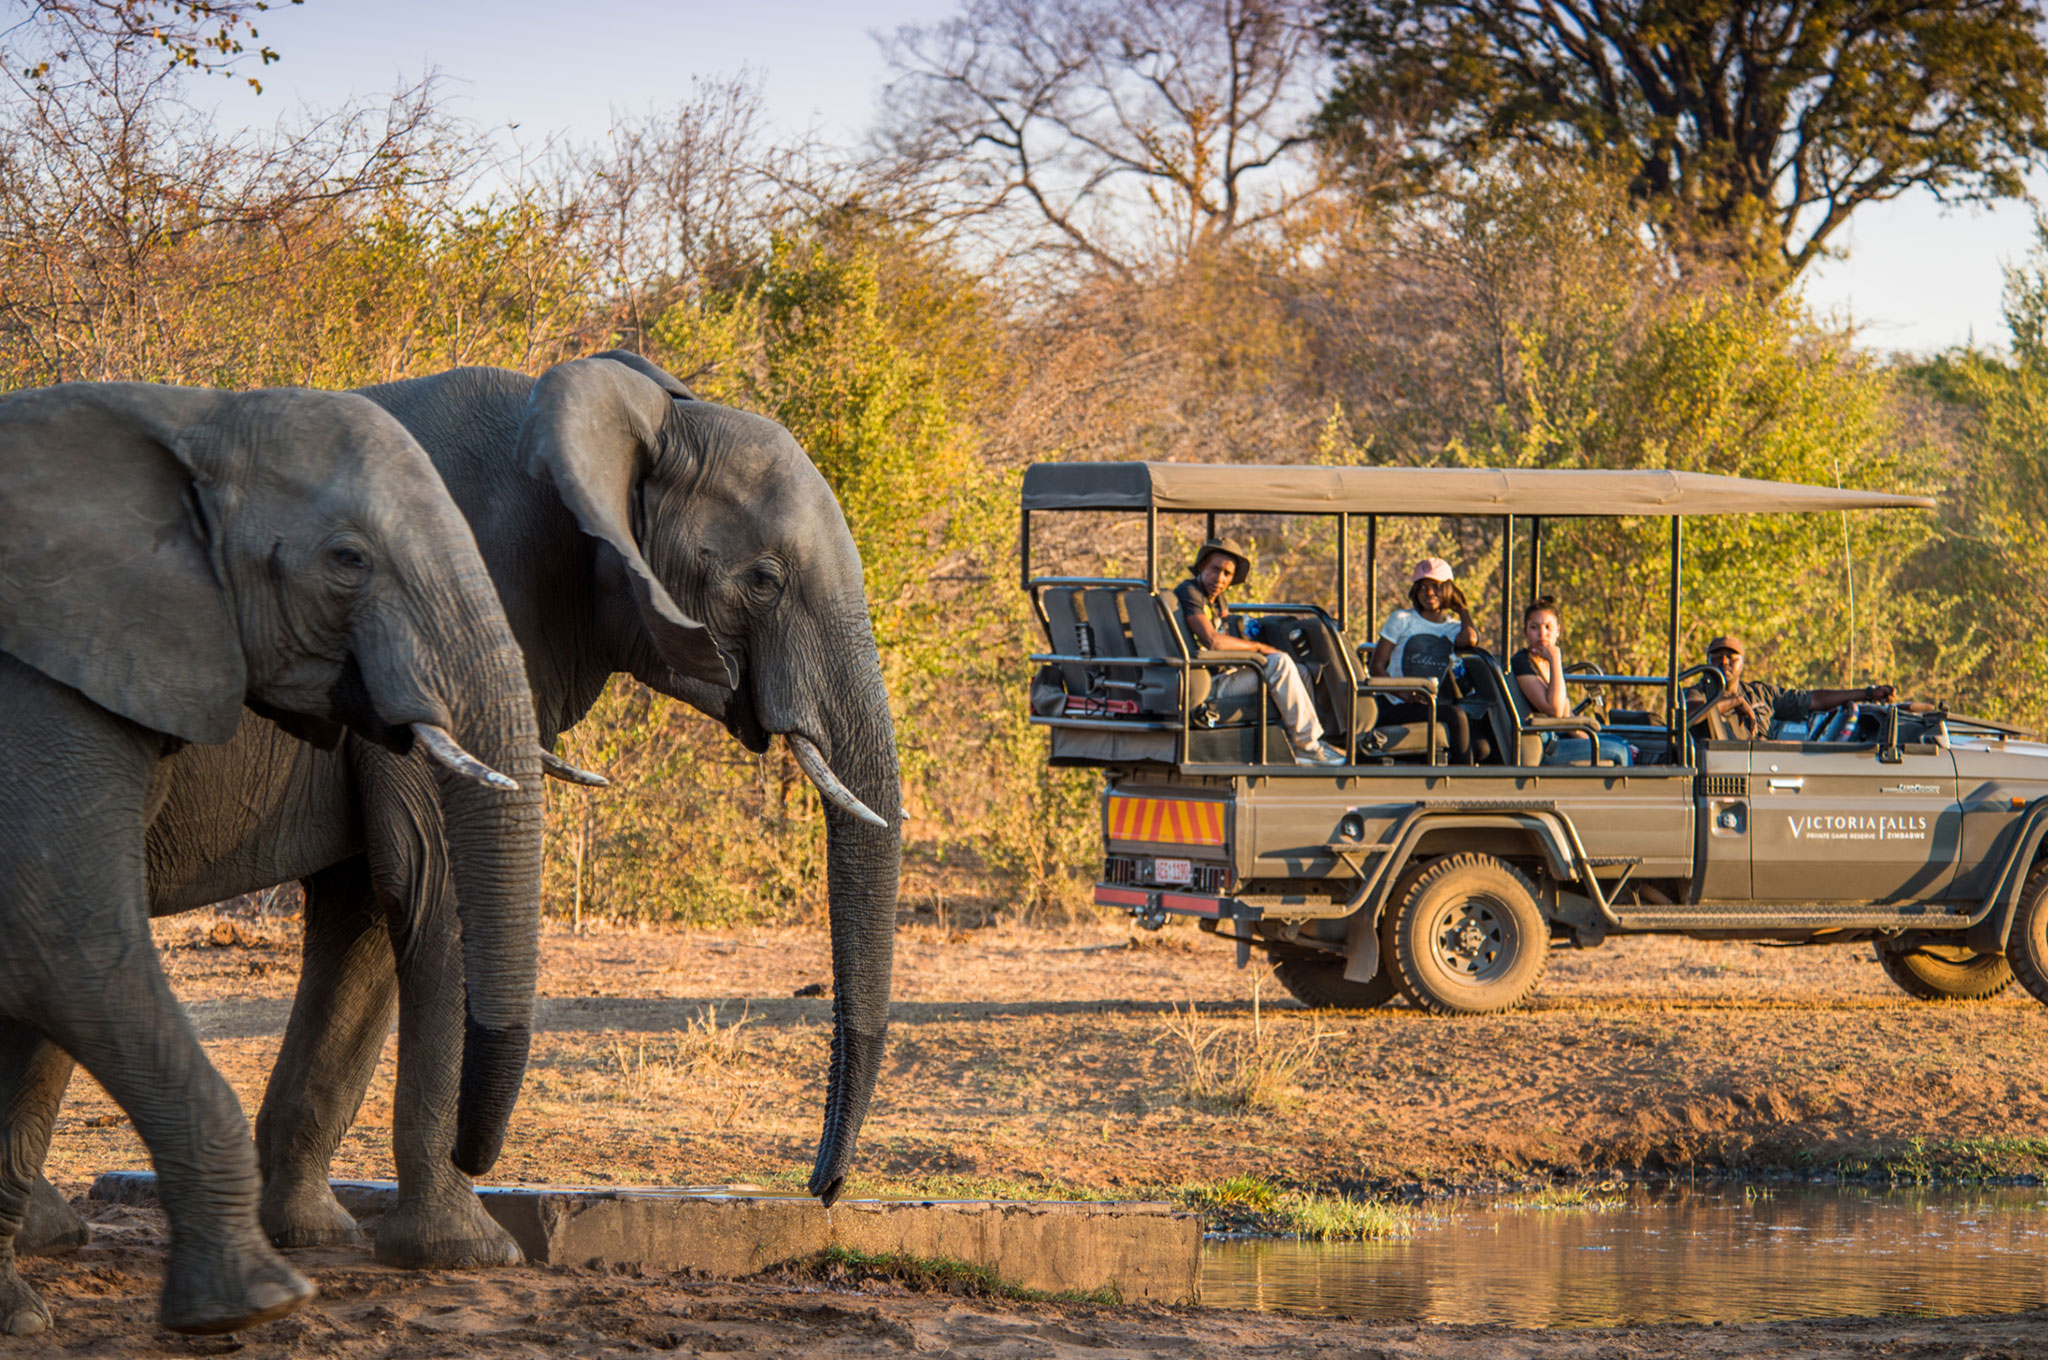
(1917,278)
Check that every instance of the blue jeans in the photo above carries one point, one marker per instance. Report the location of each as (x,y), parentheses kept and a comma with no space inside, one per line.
(1575,750)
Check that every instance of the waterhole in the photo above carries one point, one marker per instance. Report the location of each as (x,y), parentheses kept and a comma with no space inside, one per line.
(1734,1255)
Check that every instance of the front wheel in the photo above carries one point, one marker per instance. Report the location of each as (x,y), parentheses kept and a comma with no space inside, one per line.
(1317,981)
(1946,972)
(1467,939)
(2026,948)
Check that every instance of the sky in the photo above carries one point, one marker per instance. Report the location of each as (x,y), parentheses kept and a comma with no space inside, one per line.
(1916,277)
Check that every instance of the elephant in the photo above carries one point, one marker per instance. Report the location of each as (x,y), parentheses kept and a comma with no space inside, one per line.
(169,556)
(629,527)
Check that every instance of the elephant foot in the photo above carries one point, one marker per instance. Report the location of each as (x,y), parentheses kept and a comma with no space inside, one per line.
(449,1231)
(21,1309)
(229,1288)
(51,1225)
(305,1214)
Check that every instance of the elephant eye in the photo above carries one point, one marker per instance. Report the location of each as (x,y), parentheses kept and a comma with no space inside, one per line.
(765,576)
(349,559)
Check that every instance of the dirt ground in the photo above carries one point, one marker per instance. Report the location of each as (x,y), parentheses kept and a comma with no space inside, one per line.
(1092,1059)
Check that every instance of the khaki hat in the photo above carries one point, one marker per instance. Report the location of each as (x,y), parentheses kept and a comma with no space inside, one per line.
(1231,549)
(1728,643)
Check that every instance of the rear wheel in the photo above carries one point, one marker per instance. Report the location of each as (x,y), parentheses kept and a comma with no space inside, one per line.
(1317,980)
(2026,949)
(1946,972)
(1468,938)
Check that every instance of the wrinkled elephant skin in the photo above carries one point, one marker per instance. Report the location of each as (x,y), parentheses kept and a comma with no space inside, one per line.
(167,556)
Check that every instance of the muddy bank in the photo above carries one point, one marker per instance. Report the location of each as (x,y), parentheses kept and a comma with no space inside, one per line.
(104,1296)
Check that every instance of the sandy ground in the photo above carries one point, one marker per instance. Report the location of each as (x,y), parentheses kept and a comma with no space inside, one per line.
(1096,1059)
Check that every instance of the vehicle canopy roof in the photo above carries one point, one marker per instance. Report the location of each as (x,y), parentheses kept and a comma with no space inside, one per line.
(1252,488)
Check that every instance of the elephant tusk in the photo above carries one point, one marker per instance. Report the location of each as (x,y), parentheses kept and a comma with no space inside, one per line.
(813,762)
(554,767)
(449,752)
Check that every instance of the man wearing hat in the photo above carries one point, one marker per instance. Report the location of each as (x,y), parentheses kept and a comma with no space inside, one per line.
(1750,706)
(1203,613)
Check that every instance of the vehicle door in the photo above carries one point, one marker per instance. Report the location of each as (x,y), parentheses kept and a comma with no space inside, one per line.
(1722,860)
(1831,822)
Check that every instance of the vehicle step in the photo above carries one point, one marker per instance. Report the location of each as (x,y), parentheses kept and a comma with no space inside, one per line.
(1818,916)
(1612,861)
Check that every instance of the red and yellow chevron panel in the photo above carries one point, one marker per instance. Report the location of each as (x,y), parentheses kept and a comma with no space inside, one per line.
(1167,821)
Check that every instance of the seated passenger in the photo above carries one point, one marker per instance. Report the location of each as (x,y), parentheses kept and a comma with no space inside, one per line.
(1538,672)
(1207,620)
(1417,642)
(1750,706)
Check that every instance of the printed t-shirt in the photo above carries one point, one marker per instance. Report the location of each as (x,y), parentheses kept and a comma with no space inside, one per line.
(1421,648)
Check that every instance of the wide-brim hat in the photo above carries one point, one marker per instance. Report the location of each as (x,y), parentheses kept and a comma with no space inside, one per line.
(1231,549)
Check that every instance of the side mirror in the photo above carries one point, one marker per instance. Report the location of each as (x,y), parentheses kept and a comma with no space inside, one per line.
(1888,752)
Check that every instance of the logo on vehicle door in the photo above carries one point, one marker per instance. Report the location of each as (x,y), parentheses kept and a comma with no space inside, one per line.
(1821,827)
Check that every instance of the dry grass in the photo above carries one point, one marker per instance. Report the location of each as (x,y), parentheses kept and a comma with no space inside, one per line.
(1228,1070)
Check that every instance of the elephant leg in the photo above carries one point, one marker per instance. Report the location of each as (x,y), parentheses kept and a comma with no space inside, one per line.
(117,1017)
(33,1075)
(331,1045)
(52,1226)
(438,1222)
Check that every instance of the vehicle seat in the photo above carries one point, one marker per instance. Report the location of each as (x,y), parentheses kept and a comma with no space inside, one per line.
(1516,727)
(1156,688)
(1239,711)
(1312,641)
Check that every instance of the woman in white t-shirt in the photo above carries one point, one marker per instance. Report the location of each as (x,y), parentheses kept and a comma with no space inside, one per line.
(1417,641)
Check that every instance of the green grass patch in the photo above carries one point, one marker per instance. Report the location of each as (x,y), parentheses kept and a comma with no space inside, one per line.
(1929,1161)
(939,1274)
(1246,1204)
(1551,1197)
(1253,1204)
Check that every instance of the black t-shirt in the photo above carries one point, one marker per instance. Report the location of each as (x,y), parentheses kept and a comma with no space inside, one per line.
(1193,600)
(1520,664)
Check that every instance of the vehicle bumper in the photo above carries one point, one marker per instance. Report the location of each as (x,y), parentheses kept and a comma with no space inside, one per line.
(1157,901)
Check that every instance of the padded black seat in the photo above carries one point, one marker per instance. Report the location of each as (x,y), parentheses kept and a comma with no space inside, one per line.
(1517,730)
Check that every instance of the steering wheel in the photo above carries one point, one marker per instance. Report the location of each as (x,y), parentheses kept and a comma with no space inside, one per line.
(1710,681)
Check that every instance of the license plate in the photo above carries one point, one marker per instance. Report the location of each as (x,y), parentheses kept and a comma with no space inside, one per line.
(1173,871)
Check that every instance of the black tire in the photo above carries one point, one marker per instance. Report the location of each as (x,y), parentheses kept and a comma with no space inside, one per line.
(1467,939)
(1317,981)
(1946,972)
(2026,948)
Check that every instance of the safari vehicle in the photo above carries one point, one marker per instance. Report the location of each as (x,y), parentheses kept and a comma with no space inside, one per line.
(1401,873)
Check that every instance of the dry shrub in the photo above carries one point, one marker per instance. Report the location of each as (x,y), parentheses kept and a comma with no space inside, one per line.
(706,1063)
(1228,1070)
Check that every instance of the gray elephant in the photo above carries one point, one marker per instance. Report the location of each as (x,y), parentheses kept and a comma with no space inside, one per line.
(167,555)
(629,528)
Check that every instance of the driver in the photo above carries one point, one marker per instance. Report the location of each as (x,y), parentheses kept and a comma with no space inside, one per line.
(1750,706)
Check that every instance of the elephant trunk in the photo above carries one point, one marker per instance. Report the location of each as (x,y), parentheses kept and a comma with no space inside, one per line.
(494,845)
(862,863)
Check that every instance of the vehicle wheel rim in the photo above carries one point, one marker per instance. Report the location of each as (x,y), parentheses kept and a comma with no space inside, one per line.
(1472,941)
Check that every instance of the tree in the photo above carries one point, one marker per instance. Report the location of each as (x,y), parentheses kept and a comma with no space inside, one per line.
(1754,129)
(201,35)
(1116,131)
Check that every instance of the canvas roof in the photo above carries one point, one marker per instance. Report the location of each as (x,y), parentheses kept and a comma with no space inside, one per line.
(1258,489)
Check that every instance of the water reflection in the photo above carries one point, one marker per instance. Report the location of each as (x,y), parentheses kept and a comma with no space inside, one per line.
(1687,1256)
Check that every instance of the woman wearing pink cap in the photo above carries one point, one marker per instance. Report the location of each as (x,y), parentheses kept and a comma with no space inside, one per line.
(1418,641)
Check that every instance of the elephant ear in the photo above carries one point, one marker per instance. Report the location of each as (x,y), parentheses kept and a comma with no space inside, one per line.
(653,372)
(110,502)
(591,428)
